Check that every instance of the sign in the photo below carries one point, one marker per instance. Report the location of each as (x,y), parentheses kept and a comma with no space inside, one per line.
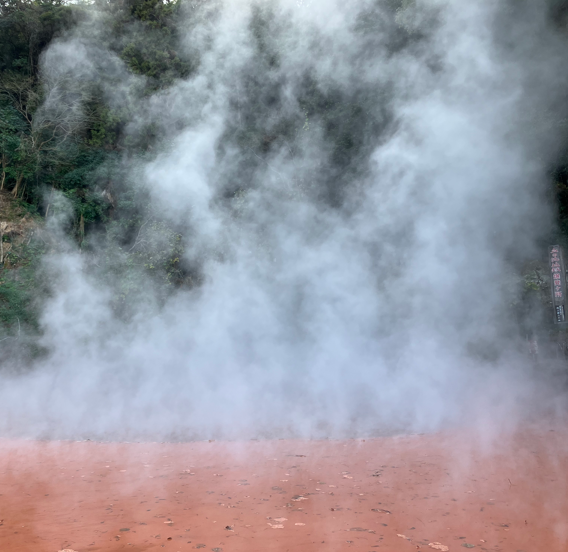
(558,283)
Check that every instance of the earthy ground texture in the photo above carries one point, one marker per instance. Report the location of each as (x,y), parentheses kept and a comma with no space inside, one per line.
(451,491)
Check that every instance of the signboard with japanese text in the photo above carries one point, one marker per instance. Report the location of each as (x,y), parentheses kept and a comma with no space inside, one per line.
(558,283)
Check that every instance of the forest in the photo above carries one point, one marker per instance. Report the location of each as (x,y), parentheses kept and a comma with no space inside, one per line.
(82,156)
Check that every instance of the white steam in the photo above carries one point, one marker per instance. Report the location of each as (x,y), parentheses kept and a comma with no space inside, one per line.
(332,301)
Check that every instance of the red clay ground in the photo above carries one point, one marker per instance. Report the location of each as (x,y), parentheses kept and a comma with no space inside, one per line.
(395,494)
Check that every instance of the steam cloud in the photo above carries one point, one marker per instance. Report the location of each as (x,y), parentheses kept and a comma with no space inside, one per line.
(339,293)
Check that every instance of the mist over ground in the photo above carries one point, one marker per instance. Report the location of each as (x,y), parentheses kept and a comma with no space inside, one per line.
(351,188)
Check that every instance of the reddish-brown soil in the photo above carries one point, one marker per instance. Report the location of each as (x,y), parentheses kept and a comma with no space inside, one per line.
(396,494)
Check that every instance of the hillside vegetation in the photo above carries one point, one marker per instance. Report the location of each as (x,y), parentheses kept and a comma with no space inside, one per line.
(75,163)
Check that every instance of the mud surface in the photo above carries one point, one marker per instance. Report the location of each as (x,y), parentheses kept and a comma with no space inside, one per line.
(396,494)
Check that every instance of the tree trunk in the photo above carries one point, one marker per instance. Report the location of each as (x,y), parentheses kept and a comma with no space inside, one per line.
(3,226)
(81,229)
(49,201)
(17,186)
(3,172)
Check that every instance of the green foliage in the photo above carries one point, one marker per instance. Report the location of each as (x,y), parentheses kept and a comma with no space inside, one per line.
(145,36)
(26,28)
(105,128)
(18,290)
